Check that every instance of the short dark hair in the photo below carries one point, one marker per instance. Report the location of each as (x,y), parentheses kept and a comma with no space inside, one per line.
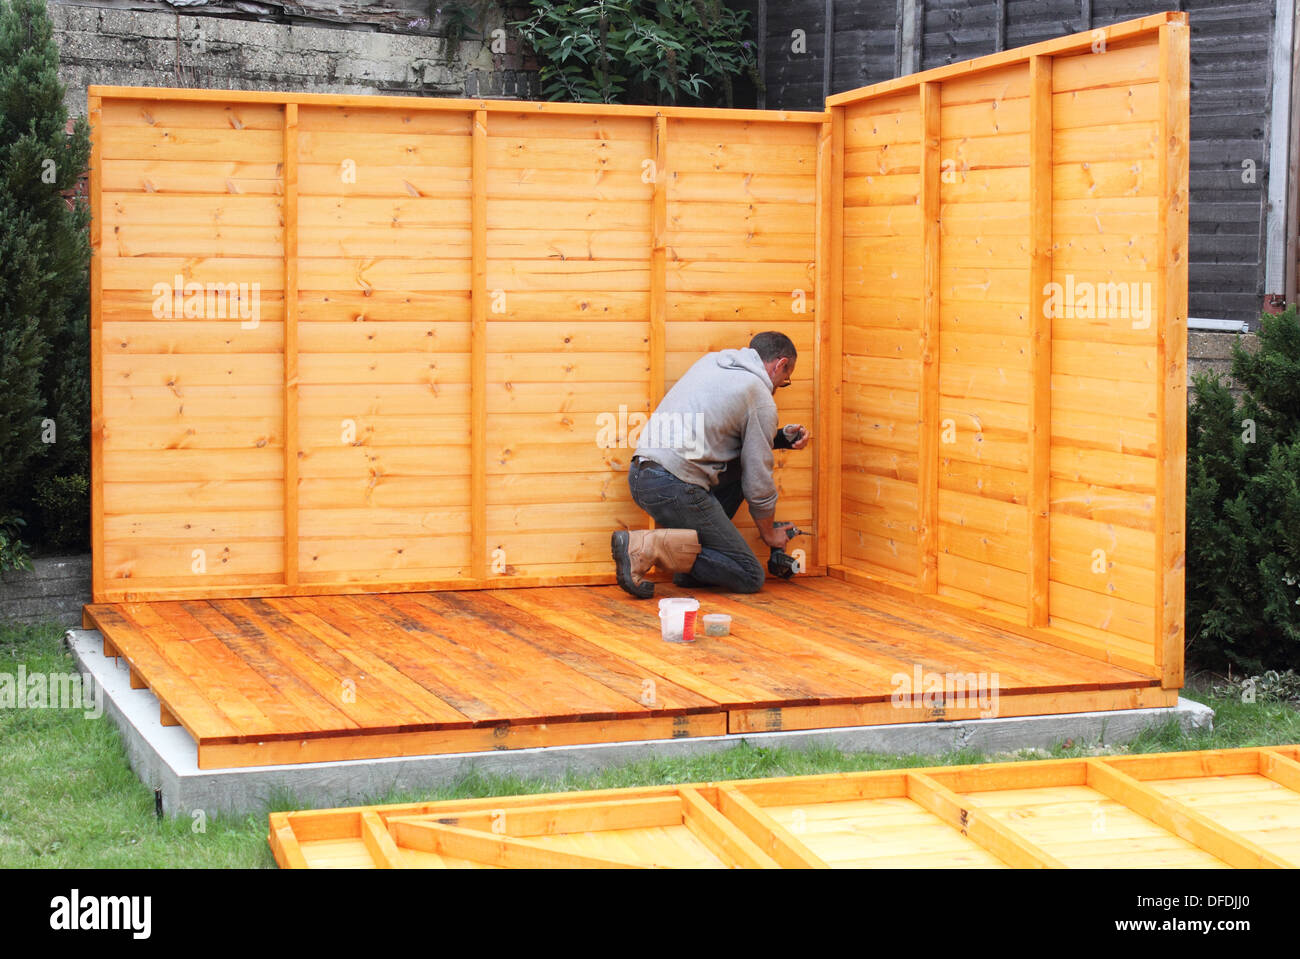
(773,346)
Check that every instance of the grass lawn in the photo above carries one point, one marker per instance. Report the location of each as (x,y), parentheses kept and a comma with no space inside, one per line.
(68,798)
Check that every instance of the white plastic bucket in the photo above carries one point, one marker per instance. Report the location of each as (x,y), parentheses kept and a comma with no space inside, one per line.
(677,618)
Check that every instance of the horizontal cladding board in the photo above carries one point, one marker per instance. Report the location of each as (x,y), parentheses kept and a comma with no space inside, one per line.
(732,305)
(228,560)
(176,370)
(382,149)
(1105,613)
(726,132)
(892,159)
(234,177)
(709,156)
(347,462)
(395,213)
(374,555)
(265,275)
(262,332)
(316,432)
(985,579)
(163,496)
(196,433)
(538,152)
(1001,550)
(195,526)
(694,216)
(121,209)
(182,144)
(892,553)
(391,180)
(125,112)
(359,120)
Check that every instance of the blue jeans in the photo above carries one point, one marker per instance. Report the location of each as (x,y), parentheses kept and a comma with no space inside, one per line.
(725,558)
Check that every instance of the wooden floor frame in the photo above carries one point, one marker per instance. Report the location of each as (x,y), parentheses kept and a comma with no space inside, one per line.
(258,682)
(1237,808)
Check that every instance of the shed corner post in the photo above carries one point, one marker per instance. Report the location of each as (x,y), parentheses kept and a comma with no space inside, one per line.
(1171,352)
(1040,340)
(478,299)
(829,339)
(928,398)
(289,174)
(95,186)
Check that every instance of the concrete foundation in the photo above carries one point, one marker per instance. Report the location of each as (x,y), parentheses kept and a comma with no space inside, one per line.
(166,759)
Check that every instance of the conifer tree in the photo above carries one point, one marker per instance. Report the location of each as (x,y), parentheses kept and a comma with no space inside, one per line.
(1243,507)
(44,259)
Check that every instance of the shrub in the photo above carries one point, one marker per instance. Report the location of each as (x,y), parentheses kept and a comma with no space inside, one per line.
(1243,507)
(639,51)
(64,508)
(13,551)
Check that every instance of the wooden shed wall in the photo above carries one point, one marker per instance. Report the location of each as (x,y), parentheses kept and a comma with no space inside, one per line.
(1007,450)
(464,307)
(461,307)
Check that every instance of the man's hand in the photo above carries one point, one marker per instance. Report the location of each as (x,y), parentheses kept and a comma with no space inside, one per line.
(792,437)
(773,537)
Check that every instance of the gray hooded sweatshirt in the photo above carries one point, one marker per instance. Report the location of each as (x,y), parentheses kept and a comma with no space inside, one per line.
(721,410)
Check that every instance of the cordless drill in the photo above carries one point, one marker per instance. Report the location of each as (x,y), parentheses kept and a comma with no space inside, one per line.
(781,564)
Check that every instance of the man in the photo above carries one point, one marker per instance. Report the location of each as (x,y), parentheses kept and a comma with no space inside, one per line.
(708,446)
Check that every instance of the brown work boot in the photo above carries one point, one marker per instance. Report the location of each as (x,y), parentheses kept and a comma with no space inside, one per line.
(635,551)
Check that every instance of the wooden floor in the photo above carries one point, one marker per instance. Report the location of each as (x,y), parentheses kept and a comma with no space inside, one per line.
(310,679)
(1232,808)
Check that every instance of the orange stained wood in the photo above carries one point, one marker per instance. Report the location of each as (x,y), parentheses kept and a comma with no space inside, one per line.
(1013,443)
(1237,808)
(451,299)
(261,681)
(393,383)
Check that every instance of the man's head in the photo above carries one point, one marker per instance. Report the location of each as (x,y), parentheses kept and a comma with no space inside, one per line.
(778,355)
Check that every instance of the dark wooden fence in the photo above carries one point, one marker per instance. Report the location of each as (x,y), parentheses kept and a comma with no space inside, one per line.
(1231,42)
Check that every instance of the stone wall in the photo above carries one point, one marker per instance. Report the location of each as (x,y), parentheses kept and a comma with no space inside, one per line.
(124,47)
(53,591)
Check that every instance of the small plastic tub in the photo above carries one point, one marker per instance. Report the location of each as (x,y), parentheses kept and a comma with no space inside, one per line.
(677,618)
(716,624)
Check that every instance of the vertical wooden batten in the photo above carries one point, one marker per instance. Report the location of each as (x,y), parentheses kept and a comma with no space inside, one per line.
(659,264)
(828,403)
(1171,351)
(96,350)
(290,179)
(821,458)
(928,399)
(1040,338)
(478,347)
